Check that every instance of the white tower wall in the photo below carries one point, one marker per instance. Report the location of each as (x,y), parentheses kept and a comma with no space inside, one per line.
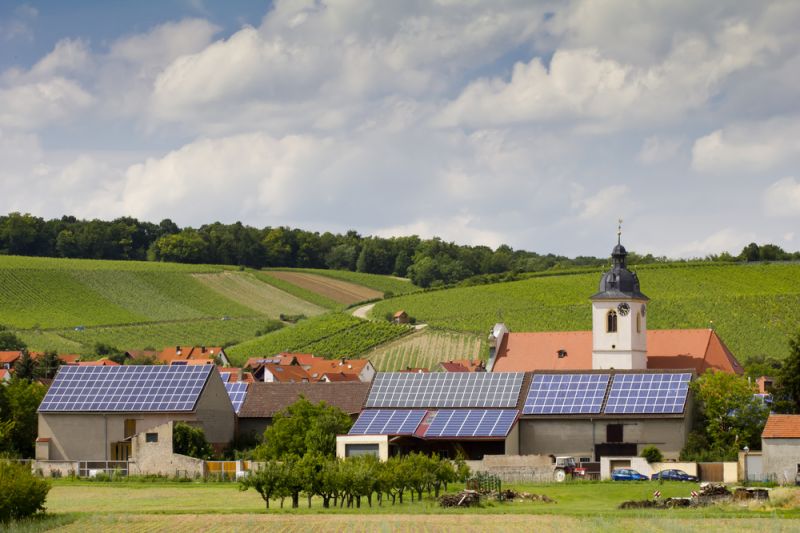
(626,348)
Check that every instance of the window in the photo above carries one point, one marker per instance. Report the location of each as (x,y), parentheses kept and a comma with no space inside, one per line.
(614,433)
(130,427)
(585,459)
(151,437)
(354,450)
(638,323)
(611,322)
(798,468)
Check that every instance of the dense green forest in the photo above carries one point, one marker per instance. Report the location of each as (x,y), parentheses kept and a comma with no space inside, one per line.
(428,262)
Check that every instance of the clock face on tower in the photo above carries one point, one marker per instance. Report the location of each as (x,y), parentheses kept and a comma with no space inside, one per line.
(623,308)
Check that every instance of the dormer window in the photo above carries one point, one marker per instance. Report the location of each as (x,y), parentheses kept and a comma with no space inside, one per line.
(611,322)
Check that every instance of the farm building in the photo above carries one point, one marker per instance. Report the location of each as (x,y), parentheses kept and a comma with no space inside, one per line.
(93,413)
(619,338)
(780,448)
(264,400)
(401,317)
(585,414)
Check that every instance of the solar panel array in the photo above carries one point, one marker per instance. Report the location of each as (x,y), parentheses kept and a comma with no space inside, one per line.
(387,422)
(226,376)
(444,389)
(126,388)
(471,423)
(566,394)
(648,393)
(237,391)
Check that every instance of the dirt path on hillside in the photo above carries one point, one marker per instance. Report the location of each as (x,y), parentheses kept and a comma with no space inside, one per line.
(363,311)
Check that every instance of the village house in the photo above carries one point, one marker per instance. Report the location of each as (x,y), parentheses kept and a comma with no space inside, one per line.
(780,449)
(184,355)
(94,413)
(301,368)
(264,400)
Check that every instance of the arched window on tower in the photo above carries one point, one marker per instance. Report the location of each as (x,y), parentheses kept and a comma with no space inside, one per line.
(638,323)
(611,321)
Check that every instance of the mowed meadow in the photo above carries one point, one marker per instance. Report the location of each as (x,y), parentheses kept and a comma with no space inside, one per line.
(754,307)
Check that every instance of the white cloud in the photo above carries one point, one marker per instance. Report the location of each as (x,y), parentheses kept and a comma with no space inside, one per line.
(582,84)
(782,199)
(725,240)
(33,105)
(657,149)
(610,203)
(68,56)
(748,147)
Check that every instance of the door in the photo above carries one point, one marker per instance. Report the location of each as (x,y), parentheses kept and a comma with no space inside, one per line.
(120,451)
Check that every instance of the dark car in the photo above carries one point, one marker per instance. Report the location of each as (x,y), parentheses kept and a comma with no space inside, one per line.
(674,475)
(627,474)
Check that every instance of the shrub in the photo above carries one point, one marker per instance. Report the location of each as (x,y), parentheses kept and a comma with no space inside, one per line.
(652,454)
(21,493)
(191,441)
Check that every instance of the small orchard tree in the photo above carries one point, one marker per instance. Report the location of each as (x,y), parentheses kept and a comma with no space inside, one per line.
(789,378)
(19,401)
(266,481)
(191,441)
(25,367)
(47,365)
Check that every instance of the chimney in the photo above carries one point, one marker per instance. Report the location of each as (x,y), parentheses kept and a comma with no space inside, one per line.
(177,350)
(202,349)
(344,360)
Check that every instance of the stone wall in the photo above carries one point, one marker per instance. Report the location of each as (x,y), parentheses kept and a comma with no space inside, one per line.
(515,468)
(152,455)
(55,468)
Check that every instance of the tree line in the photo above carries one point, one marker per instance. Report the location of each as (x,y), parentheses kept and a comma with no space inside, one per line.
(428,262)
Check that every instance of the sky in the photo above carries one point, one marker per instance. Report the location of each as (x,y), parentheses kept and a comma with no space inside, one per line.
(533,124)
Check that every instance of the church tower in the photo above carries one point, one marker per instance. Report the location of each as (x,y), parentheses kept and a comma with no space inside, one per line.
(619,323)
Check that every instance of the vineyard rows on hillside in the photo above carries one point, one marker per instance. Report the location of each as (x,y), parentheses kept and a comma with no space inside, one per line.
(753,308)
(426,349)
(210,332)
(332,335)
(377,282)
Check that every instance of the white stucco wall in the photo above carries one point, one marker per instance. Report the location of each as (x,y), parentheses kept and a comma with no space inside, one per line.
(381,440)
(781,458)
(625,348)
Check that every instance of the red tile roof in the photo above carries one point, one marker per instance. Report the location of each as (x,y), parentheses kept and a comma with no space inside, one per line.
(186,353)
(697,349)
(339,376)
(9,357)
(287,374)
(463,365)
(318,367)
(782,427)
(99,362)
(265,399)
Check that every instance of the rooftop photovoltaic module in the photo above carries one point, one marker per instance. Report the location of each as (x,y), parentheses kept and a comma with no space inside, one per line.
(464,423)
(126,388)
(648,393)
(237,391)
(566,394)
(387,422)
(444,389)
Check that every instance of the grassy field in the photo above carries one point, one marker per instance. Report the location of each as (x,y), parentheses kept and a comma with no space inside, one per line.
(377,282)
(248,290)
(300,292)
(425,349)
(222,507)
(753,307)
(331,335)
(340,291)
(134,305)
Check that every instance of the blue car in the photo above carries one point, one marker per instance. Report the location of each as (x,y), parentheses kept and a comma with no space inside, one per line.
(627,474)
(674,475)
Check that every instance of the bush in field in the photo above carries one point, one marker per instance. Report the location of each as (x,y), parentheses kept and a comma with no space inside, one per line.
(652,454)
(191,441)
(21,493)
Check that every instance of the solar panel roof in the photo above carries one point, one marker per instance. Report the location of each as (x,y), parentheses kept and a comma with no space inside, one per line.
(387,422)
(648,393)
(444,389)
(126,388)
(566,394)
(471,423)
(237,392)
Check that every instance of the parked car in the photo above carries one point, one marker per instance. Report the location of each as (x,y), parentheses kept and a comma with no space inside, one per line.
(627,474)
(674,475)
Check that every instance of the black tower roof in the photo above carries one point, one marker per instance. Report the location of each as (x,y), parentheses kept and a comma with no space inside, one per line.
(619,282)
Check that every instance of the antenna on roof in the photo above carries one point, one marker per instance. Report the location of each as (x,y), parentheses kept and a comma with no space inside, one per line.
(711,325)
(619,230)
(499,314)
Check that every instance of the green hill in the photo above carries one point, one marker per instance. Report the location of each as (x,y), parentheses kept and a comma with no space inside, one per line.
(754,307)
(69,305)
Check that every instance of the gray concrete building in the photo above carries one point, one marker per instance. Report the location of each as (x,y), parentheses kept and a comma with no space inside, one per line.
(94,413)
(780,449)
